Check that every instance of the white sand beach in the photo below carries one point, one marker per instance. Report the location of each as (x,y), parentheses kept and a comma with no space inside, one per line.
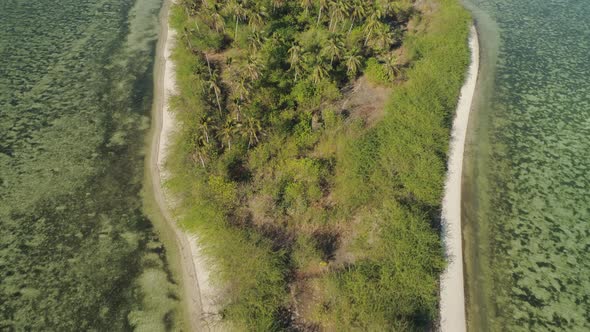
(452,304)
(200,295)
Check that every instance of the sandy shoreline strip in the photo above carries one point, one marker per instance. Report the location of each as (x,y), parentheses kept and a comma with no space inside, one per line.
(199,295)
(452,303)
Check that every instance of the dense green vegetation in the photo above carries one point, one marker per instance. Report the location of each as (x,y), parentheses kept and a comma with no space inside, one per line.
(318,213)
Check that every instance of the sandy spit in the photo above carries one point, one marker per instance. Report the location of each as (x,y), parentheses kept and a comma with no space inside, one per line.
(200,295)
(452,304)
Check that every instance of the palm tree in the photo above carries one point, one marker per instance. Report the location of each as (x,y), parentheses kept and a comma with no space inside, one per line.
(382,37)
(399,9)
(217,21)
(205,124)
(200,147)
(199,152)
(240,94)
(252,128)
(236,8)
(357,11)
(322,4)
(339,10)
(295,53)
(371,24)
(298,69)
(188,39)
(243,89)
(306,5)
(226,132)
(236,92)
(234,107)
(353,63)
(253,68)
(391,66)
(295,59)
(333,48)
(276,4)
(255,40)
(256,19)
(213,85)
(319,72)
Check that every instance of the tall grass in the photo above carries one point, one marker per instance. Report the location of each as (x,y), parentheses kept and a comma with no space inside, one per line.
(383,185)
(398,168)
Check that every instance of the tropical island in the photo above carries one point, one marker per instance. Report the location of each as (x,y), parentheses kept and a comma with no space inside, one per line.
(310,155)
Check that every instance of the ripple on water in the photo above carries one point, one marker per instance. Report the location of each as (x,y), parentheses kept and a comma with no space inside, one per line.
(76,251)
(539,169)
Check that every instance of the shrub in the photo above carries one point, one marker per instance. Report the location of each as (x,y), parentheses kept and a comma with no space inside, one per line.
(380,185)
(376,72)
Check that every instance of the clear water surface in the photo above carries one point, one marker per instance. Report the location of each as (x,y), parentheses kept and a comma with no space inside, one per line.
(76,251)
(527,209)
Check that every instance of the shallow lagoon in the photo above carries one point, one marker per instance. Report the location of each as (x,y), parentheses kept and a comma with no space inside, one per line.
(76,251)
(527,181)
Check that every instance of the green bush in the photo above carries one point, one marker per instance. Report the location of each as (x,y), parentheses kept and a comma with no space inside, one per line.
(223,192)
(376,72)
(397,284)
(314,175)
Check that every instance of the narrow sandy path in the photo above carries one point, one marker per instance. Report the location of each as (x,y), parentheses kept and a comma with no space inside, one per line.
(199,295)
(452,304)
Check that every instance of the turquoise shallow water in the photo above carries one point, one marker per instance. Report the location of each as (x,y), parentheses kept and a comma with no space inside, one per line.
(76,251)
(528,169)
